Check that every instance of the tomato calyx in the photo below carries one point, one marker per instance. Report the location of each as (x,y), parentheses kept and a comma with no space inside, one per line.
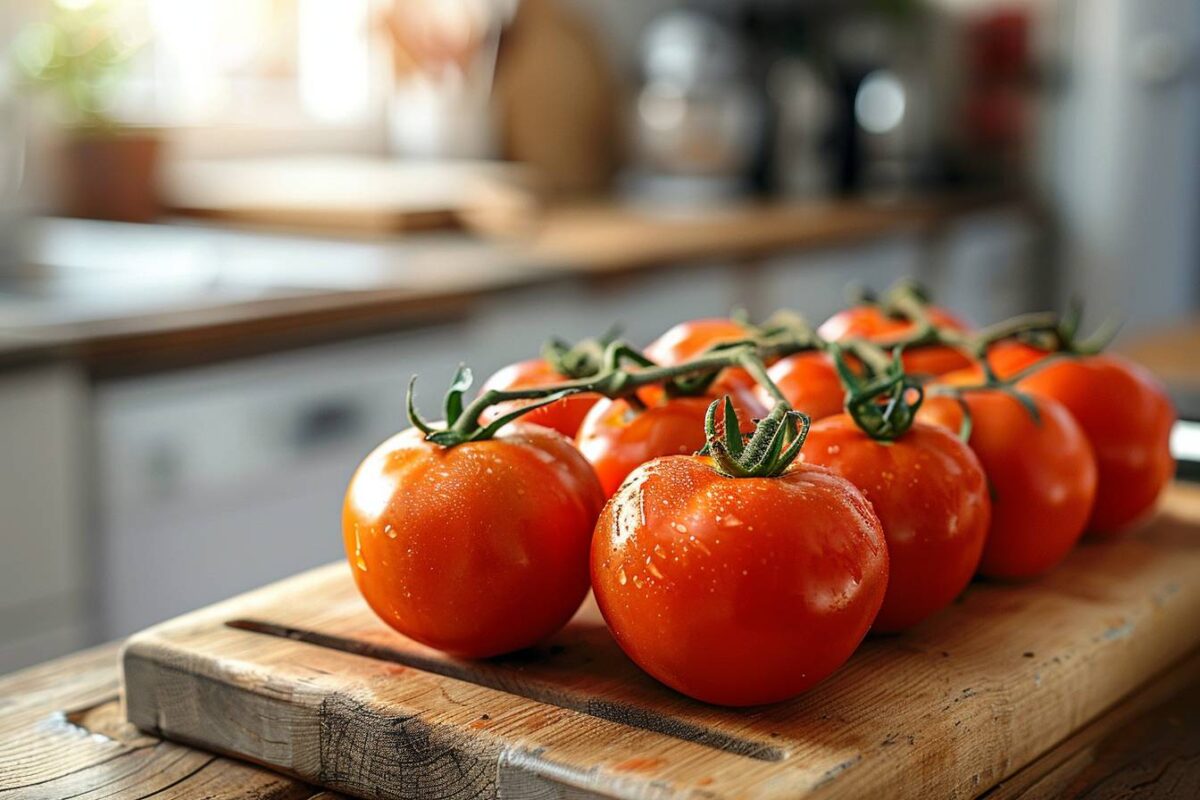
(1063,338)
(884,404)
(766,453)
(782,325)
(461,425)
(583,359)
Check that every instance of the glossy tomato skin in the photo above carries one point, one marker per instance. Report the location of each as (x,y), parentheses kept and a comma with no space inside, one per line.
(810,383)
(930,494)
(687,340)
(1042,477)
(564,415)
(1008,357)
(738,591)
(1127,417)
(478,549)
(616,438)
(871,323)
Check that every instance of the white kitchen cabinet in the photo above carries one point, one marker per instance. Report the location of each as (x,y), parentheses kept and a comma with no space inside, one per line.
(43,463)
(214,481)
(987,268)
(513,325)
(984,266)
(815,283)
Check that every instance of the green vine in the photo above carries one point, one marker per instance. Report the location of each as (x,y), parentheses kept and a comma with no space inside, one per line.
(883,399)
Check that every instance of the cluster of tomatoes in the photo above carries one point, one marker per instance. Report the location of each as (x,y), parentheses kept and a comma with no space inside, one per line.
(746,587)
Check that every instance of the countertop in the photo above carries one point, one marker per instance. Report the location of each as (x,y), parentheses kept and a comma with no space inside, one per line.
(121,297)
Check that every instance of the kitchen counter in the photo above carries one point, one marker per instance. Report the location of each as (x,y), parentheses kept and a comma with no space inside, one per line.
(63,734)
(127,299)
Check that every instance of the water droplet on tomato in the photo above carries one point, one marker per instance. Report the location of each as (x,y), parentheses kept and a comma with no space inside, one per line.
(621,579)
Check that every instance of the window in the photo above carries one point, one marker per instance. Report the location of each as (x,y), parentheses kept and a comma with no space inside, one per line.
(256,63)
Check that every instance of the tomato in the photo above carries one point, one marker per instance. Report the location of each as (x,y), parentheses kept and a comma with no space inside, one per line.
(477,549)
(1008,357)
(872,323)
(1127,417)
(931,496)
(1042,477)
(617,438)
(738,591)
(563,415)
(687,340)
(810,383)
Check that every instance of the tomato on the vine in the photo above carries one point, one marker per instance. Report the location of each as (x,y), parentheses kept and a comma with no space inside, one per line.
(1040,470)
(872,323)
(930,494)
(1009,357)
(1125,414)
(810,383)
(1127,417)
(477,549)
(617,437)
(687,340)
(738,591)
(563,415)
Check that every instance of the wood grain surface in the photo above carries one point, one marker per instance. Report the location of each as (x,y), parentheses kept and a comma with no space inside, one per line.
(58,723)
(63,735)
(300,676)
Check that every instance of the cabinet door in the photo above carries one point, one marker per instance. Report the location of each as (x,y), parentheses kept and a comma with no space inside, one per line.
(42,458)
(990,269)
(215,481)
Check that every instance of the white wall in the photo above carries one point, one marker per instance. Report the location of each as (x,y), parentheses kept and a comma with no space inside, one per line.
(1123,159)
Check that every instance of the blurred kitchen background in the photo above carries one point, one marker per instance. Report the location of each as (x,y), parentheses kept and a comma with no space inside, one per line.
(230,230)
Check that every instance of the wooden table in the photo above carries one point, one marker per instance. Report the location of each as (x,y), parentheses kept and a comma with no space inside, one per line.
(62,734)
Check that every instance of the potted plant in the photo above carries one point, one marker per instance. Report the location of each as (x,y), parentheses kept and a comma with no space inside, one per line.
(79,53)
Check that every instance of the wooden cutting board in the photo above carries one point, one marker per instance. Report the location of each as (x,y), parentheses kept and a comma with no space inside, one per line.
(300,676)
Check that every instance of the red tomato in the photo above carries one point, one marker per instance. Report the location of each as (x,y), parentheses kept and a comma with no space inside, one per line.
(477,549)
(687,340)
(1127,417)
(1042,477)
(1008,357)
(617,438)
(738,591)
(931,496)
(871,323)
(564,415)
(810,383)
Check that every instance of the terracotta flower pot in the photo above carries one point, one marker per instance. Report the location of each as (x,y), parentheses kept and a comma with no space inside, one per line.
(112,176)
